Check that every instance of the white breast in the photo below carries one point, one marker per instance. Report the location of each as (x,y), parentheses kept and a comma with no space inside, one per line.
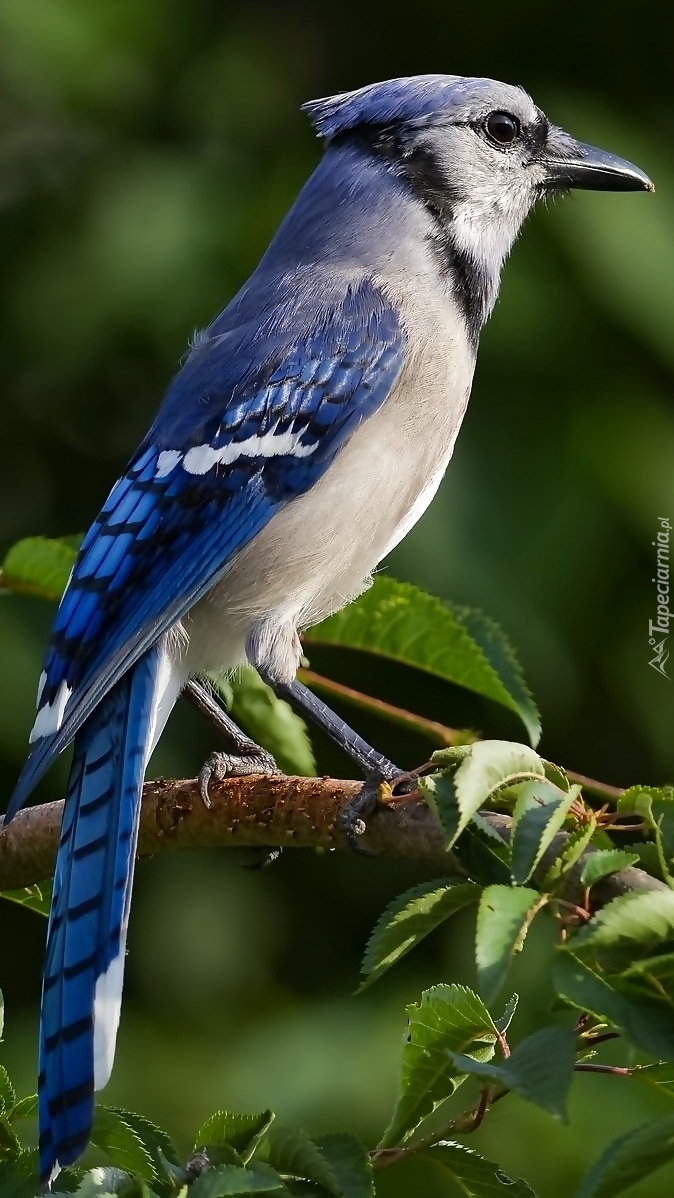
(318,552)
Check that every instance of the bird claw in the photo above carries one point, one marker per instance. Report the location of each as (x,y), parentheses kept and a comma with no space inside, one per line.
(231,765)
(352,819)
(376,791)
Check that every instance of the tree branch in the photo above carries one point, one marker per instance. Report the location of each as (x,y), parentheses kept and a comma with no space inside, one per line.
(266,811)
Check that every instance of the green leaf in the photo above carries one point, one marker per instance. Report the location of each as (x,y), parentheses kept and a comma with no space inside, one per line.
(409,918)
(241,1132)
(484,769)
(224,1180)
(38,566)
(647,1023)
(350,1163)
(398,621)
(604,862)
(448,1018)
(19,1176)
(25,1108)
(630,1159)
(502,658)
(656,806)
(571,852)
(293,1151)
(475,1176)
(156,1142)
(660,1076)
(110,1183)
(643,917)
(7,1092)
(36,897)
(540,1068)
(536,827)
(9,1141)
(268,720)
(114,1135)
(506,1019)
(504,917)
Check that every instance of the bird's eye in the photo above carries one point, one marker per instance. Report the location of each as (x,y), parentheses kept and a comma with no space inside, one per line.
(502,128)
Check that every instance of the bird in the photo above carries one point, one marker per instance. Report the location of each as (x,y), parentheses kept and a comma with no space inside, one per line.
(306,432)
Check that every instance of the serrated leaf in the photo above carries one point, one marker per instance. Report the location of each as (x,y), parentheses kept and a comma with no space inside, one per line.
(540,1069)
(19,1175)
(398,621)
(292,1151)
(649,1024)
(7,1092)
(474,1175)
(502,657)
(660,1076)
(485,768)
(156,1142)
(536,827)
(25,1108)
(350,1163)
(650,859)
(241,1132)
(571,852)
(110,1184)
(268,720)
(508,1015)
(604,862)
(409,918)
(555,774)
(643,917)
(656,807)
(226,1180)
(504,917)
(447,1018)
(485,859)
(121,1143)
(630,1159)
(38,566)
(36,897)
(9,1141)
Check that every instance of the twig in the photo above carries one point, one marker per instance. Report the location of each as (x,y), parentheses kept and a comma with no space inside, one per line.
(269,811)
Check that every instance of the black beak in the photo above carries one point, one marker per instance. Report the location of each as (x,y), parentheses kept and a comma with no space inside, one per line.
(594,170)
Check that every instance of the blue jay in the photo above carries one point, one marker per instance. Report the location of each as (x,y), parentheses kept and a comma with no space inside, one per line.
(306,433)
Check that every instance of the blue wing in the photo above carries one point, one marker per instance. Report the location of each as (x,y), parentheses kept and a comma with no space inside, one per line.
(252,420)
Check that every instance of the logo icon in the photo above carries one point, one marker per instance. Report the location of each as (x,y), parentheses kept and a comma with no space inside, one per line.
(661,656)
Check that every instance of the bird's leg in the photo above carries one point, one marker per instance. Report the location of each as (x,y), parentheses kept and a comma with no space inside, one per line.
(247,757)
(377,768)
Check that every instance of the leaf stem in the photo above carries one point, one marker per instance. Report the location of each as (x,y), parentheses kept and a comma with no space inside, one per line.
(602,790)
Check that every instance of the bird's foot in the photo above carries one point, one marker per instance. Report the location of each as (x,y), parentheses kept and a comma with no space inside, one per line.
(233,765)
(377,791)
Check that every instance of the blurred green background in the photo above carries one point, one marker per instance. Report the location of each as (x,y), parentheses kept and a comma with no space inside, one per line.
(148,149)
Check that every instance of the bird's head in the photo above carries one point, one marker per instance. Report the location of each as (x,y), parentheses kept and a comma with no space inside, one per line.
(477,153)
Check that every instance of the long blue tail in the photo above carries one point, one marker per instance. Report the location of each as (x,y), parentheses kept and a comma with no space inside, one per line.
(84,965)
